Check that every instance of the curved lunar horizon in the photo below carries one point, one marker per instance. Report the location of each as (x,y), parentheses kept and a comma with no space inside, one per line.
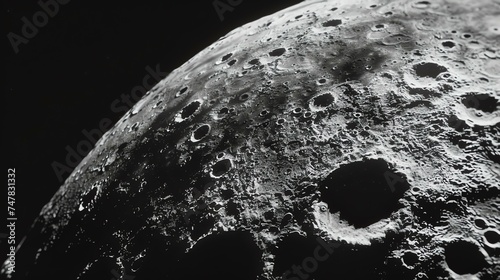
(330,140)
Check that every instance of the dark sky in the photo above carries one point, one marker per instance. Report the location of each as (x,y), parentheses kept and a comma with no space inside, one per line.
(85,55)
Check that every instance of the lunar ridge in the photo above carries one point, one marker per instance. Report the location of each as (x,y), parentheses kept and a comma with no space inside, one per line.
(330,140)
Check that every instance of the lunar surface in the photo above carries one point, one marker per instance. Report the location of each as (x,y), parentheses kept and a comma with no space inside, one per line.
(331,140)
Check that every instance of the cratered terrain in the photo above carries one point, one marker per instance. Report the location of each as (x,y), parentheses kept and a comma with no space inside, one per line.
(330,140)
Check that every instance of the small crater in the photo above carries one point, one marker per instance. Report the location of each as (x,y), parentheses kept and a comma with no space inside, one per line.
(483,102)
(429,69)
(464,257)
(421,4)
(492,236)
(410,258)
(322,81)
(277,52)
(480,223)
(232,62)
(137,263)
(263,113)
(386,75)
(221,167)
(322,101)
(226,57)
(181,92)
(158,103)
(244,96)
(396,39)
(297,110)
(190,109)
(448,44)
(287,218)
(333,22)
(475,44)
(444,76)
(200,133)
(254,61)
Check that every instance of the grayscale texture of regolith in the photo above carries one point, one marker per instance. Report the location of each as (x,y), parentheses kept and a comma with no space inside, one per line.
(372,126)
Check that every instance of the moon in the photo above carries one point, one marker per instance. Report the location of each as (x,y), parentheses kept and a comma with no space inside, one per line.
(330,140)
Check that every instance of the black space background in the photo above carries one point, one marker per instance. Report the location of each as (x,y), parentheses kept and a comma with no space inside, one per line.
(66,77)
